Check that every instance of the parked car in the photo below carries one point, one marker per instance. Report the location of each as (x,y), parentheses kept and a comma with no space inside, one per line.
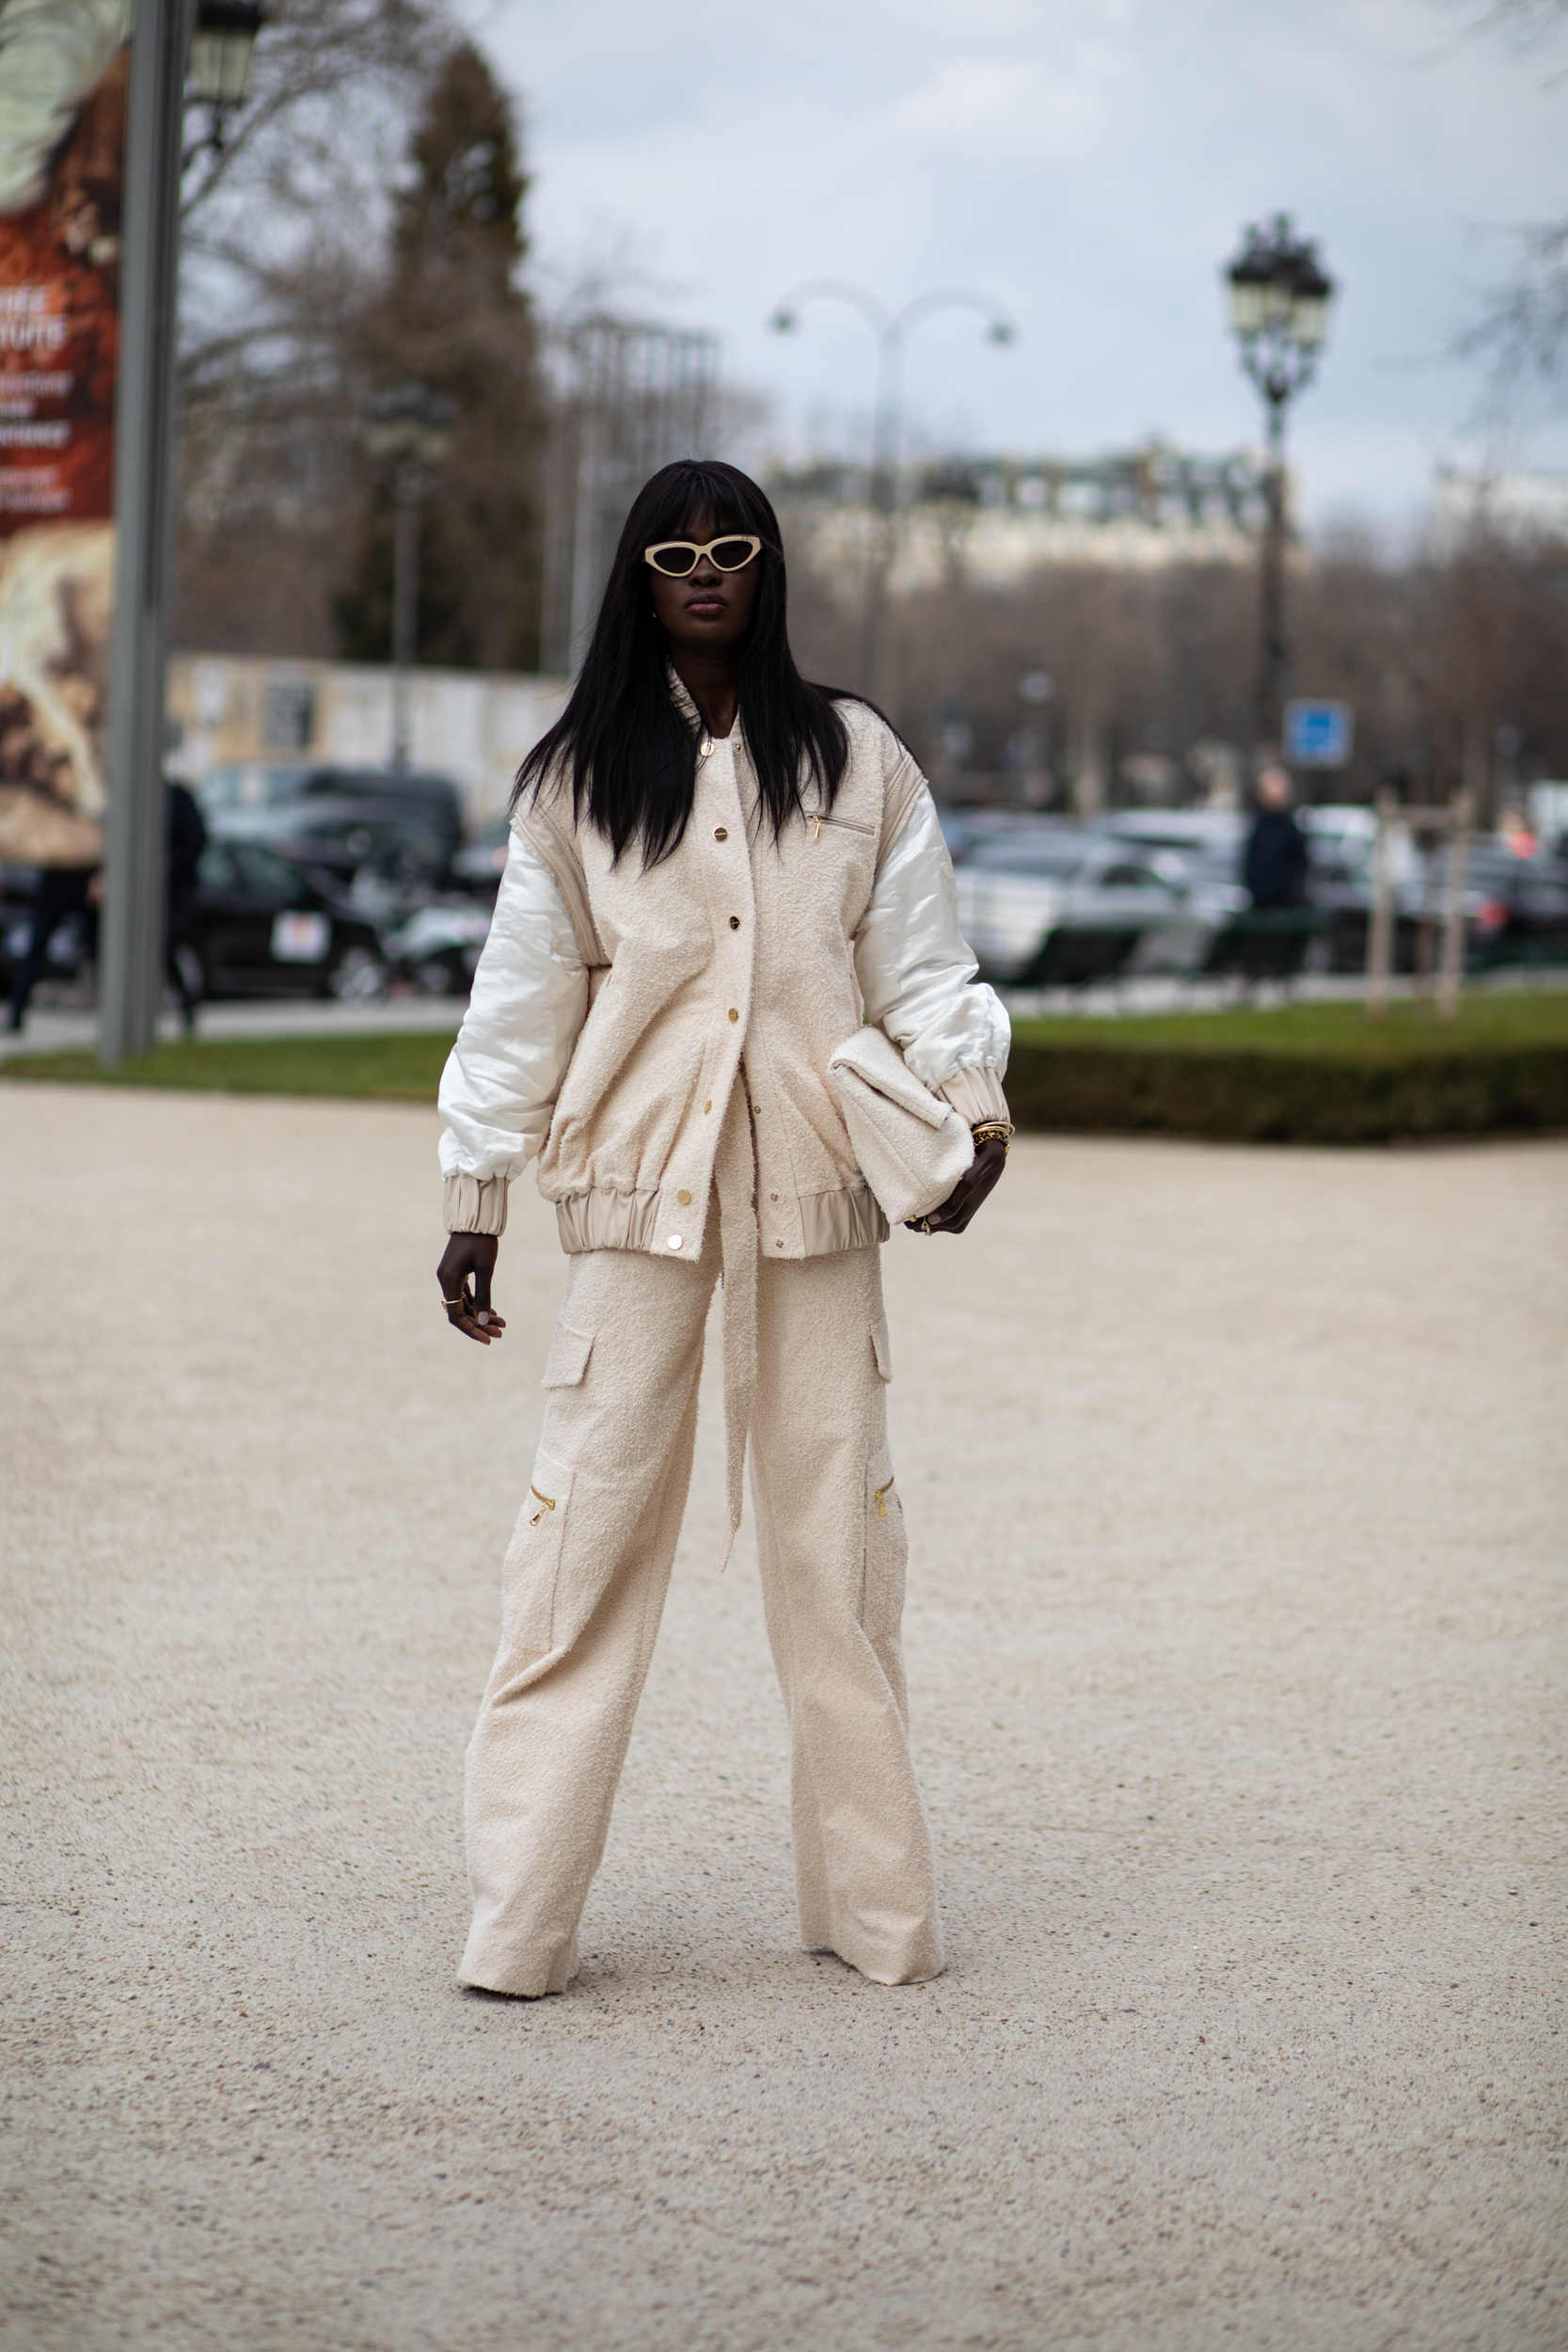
(1515,907)
(480,863)
(261,925)
(1068,905)
(964,829)
(437,946)
(430,804)
(1215,837)
(394,840)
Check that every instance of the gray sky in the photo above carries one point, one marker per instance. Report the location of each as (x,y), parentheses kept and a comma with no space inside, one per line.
(1090,163)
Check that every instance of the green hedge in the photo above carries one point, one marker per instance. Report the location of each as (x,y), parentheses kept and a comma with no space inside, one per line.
(1301,1074)
(1249,1097)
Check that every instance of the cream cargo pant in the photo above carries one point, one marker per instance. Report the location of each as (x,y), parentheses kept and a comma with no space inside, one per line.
(584,1583)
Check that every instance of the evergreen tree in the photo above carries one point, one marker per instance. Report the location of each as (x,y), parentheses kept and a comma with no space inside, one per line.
(451,315)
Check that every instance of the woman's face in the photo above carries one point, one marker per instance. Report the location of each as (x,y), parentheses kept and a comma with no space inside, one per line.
(708,610)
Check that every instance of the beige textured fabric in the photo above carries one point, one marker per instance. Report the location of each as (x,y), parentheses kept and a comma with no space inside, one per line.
(913,1147)
(731,959)
(584,1584)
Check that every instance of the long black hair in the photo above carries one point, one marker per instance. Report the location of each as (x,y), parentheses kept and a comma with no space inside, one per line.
(633,756)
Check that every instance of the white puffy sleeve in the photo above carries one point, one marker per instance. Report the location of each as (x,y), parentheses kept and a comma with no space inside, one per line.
(918,979)
(528,1003)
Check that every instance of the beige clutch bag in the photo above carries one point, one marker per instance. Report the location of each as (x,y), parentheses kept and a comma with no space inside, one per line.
(911,1146)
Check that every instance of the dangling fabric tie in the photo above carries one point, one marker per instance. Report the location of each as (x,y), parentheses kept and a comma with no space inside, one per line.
(734,1178)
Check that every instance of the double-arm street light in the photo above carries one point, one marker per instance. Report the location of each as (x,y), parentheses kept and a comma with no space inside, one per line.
(181,53)
(892,330)
(1279,298)
(406,435)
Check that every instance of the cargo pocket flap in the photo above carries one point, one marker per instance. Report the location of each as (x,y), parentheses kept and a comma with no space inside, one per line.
(568,1356)
(882,1347)
(531,1574)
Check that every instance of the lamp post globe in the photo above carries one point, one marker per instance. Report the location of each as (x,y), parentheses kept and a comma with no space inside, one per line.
(1279,295)
(892,330)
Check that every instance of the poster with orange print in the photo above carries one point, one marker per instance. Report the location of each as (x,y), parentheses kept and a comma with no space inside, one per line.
(64,69)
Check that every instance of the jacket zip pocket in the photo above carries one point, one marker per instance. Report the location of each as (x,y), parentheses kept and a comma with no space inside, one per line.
(846,824)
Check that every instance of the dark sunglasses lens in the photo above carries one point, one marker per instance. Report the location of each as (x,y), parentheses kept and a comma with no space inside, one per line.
(674,562)
(731,554)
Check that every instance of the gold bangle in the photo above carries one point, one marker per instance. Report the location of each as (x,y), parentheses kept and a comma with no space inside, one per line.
(992,1130)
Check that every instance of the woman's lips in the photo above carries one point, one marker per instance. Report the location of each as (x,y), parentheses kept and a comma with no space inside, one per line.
(708,604)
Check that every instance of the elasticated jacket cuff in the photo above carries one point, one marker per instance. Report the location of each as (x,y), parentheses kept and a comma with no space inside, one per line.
(475,1205)
(975,1093)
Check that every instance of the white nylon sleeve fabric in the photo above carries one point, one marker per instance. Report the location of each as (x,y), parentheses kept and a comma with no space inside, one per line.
(528,1006)
(916,975)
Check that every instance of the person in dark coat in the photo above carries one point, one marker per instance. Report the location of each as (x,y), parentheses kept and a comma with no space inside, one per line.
(185,838)
(63,892)
(1274,866)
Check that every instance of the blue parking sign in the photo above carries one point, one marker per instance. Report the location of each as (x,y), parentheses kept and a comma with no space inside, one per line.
(1318,735)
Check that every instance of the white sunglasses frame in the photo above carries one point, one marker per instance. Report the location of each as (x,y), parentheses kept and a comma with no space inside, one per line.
(725,571)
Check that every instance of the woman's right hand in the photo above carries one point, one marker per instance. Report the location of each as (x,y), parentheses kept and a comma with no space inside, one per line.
(470,1257)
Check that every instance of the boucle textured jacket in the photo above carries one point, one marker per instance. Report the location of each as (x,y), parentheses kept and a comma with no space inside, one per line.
(615,1008)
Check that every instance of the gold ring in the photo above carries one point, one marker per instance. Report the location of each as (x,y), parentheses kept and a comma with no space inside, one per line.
(458,1301)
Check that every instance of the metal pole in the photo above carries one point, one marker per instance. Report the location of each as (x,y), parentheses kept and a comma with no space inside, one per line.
(884,492)
(405,590)
(1275,650)
(131,962)
(585,527)
(1453,924)
(1380,930)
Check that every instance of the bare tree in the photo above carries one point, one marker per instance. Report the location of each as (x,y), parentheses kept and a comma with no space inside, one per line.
(285,233)
(1523,327)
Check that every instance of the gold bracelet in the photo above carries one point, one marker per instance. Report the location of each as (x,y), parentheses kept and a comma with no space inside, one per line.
(992,1131)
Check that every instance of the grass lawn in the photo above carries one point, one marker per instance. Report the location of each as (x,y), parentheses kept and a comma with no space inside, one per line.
(1311,1074)
(382,1068)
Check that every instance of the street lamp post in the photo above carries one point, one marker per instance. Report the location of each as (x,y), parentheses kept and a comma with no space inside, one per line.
(1279,298)
(179,53)
(406,435)
(892,330)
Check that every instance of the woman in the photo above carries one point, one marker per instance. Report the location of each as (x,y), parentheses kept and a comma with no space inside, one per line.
(716,870)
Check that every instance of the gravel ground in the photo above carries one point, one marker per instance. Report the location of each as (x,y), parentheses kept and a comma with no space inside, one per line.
(1235,1482)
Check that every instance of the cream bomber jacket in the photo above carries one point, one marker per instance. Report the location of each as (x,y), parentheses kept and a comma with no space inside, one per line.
(614,1009)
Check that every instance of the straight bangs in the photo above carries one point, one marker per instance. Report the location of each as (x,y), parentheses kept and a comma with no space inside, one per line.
(630,754)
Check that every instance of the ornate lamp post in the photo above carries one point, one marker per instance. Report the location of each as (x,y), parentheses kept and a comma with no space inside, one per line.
(406,435)
(219,67)
(892,329)
(1279,298)
(181,53)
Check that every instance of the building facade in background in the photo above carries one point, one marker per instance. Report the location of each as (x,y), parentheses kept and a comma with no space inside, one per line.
(1001,518)
(227,709)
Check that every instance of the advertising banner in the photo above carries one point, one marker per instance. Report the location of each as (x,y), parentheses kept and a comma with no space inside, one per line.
(64,69)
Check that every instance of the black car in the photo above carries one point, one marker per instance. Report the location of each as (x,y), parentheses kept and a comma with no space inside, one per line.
(417,815)
(397,841)
(261,925)
(1515,908)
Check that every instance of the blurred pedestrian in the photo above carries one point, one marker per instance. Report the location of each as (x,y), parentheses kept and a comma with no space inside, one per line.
(716,870)
(185,838)
(64,894)
(1274,866)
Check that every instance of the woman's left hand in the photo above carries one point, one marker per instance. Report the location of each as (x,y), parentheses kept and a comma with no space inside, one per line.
(975,1186)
